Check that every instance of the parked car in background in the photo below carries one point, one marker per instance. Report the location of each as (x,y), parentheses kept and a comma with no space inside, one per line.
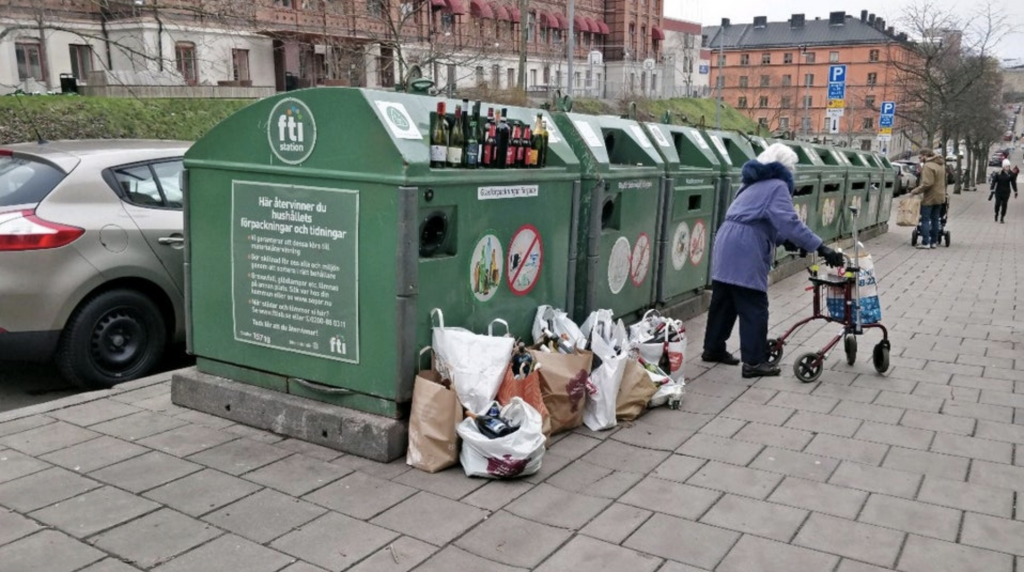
(91,256)
(905,176)
(996,160)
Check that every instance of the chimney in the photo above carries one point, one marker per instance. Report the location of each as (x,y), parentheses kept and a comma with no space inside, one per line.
(879,23)
(902,37)
(871,19)
(891,31)
(836,18)
(760,21)
(863,15)
(725,22)
(797,21)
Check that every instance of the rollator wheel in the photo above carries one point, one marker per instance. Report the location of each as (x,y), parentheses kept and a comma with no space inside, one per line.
(913,238)
(945,236)
(808,367)
(850,345)
(774,351)
(880,356)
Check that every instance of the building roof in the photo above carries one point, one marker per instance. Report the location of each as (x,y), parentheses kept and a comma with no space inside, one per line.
(683,26)
(819,32)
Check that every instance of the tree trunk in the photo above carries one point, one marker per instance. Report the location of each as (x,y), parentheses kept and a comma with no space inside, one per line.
(524,18)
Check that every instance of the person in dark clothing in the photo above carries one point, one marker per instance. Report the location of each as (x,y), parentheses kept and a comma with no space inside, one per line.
(1000,185)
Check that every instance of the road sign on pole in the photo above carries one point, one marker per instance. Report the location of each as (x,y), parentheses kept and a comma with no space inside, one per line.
(837,74)
(836,90)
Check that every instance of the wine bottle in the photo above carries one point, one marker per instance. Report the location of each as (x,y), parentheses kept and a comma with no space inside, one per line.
(467,137)
(535,142)
(513,145)
(504,136)
(456,140)
(473,140)
(490,143)
(439,138)
(524,147)
(542,160)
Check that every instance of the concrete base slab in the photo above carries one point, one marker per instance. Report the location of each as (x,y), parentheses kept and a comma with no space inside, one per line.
(361,434)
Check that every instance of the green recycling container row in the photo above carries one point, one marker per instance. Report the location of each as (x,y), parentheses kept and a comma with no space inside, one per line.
(319,238)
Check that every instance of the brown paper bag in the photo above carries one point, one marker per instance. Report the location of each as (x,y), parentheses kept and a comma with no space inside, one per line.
(636,390)
(435,411)
(527,389)
(563,386)
(909,211)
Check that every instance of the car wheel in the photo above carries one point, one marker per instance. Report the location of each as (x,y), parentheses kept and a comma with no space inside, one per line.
(111,338)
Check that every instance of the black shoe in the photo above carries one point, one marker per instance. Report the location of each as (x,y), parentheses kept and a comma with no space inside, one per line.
(724,357)
(760,370)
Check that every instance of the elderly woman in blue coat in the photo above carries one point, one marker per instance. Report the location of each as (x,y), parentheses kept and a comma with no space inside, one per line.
(760,217)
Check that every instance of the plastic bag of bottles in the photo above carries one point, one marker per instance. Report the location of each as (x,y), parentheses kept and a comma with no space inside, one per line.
(512,447)
(605,380)
(661,347)
(474,363)
(552,324)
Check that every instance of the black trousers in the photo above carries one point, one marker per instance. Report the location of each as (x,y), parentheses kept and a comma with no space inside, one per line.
(1001,203)
(751,307)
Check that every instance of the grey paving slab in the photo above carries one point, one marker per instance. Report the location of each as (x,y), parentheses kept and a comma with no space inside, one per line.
(239,456)
(673,419)
(94,454)
(255,434)
(768,414)
(984,449)
(94,412)
(574,445)
(24,424)
(805,465)
(399,556)
(156,537)
(756,517)
(496,494)
(845,392)
(876,479)
(334,541)
(819,497)
(868,543)
(856,450)
(451,483)
(297,475)
(758,395)
(733,479)
(616,523)
(854,566)
(145,471)
(774,436)
(981,383)
(890,435)
(1006,432)
(678,468)
(418,517)
(716,387)
(993,533)
(930,555)
(454,558)
(753,553)
(44,488)
(14,526)
(719,449)
(264,515)
(925,463)
(592,480)
(310,449)
(686,501)
(110,565)
(623,457)
(552,465)
(938,422)
(584,553)
(48,550)
(94,511)
(202,492)
(980,411)
(816,403)
(47,438)
(650,436)
(967,496)
(821,423)
(138,425)
(912,516)
(137,395)
(360,495)
(14,465)
(722,427)
(888,383)
(229,552)
(868,412)
(204,419)
(705,545)
(187,440)
(512,540)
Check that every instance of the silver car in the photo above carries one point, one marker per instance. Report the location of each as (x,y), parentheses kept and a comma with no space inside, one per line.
(91,256)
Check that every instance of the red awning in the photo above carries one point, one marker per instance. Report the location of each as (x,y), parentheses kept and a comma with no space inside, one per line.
(542,19)
(562,22)
(478,9)
(514,14)
(656,33)
(456,6)
(591,25)
(438,4)
(579,24)
(500,12)
(603,28)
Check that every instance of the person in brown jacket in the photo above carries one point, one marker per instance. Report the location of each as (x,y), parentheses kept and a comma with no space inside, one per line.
(932,187)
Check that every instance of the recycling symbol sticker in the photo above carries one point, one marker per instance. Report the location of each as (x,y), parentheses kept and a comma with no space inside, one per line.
(680,246)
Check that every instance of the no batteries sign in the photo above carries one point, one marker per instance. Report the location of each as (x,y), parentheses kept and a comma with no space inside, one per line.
(525,259)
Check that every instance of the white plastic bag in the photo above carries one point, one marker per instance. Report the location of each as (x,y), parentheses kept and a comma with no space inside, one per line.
(602,321)
(869,304)
(516,455)
(653,354)
(559,323)
(605,379)
(475,363)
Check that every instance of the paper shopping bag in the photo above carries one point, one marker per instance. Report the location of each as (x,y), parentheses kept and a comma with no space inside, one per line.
(564,379)
(434,414)
(909,212)
(635,391)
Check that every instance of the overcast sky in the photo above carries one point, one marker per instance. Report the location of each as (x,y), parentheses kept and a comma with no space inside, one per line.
(711,12)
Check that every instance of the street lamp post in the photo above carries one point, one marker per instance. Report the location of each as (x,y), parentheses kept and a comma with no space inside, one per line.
(571,44)
(719,80)
(807,94)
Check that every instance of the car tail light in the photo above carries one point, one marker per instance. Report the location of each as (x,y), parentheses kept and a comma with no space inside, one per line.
(6,153)
(23,230)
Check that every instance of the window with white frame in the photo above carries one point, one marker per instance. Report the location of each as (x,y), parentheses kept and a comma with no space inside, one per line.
(240,64)
(185,61)
(81,60)
(29,55)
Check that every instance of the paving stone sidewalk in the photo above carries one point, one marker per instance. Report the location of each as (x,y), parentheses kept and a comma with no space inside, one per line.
(918,470)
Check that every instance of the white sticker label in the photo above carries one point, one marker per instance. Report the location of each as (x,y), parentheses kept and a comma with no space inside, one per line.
(680,246)
(485,268)
(701,142)
(640,261)
(698,242)
(721,148)
(659,136)
(828,212)
(618,265)
(588,134)
(553,136)
(507,192)
(398,120)
(639,134)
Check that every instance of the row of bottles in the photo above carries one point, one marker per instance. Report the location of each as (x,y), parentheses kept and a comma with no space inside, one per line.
(467,141)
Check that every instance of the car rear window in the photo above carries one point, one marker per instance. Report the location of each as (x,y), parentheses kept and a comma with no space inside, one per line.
(24,181)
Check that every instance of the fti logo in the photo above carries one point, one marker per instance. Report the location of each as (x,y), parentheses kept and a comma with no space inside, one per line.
(338,346)
(291,131)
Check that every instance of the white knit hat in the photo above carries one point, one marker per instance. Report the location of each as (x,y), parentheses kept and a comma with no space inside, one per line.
(1006,163)
(777,152)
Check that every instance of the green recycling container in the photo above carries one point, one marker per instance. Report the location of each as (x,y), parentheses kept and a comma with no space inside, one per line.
(619,206)
(862,174)
(888,189)
(319,239)
(732,150)
(807,181)
(830,169)
(758,143)
(684,247)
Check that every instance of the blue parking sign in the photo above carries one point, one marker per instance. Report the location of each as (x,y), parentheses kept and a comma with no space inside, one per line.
(885,121)
(837,91)
(888,107)
(837,74)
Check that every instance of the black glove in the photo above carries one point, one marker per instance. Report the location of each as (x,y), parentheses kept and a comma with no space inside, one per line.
(832,258)
(790,247)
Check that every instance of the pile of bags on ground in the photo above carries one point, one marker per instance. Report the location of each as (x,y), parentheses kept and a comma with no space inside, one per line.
(503,398)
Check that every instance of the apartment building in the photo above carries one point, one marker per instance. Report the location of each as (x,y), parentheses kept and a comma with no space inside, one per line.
(777,73)
(687,63)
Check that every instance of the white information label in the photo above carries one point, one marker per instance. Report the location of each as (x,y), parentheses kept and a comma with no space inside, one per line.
(659,136)
(640,136)
(721,148)
(588,134)
(701,142)
(507,192)
(398,120)
(619,265)
(553,136)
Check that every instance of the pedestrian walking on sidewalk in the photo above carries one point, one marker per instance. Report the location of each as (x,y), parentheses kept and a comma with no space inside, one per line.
(1000,185)
(932,187)
(760,217)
